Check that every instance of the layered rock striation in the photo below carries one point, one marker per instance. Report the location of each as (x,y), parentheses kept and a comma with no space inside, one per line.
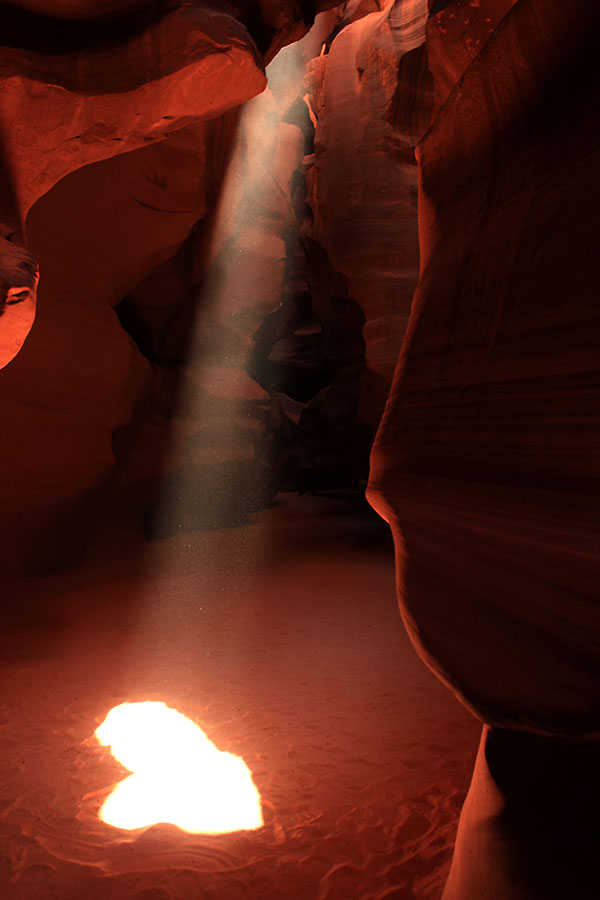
(85,82)
(117,123)
(486,460)
(372,98)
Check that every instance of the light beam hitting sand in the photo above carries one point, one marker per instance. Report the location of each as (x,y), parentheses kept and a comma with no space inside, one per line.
(178,775)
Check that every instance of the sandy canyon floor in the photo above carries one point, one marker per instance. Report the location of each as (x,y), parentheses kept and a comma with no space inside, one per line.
(282,639)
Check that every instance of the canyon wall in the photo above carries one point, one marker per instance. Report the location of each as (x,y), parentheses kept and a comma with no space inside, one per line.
(486,461)
(117,130)
(373,99)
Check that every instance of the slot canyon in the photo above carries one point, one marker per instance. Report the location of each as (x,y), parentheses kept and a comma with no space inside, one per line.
(299,450)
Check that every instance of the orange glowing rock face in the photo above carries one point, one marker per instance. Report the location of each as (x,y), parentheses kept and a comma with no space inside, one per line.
(178,775)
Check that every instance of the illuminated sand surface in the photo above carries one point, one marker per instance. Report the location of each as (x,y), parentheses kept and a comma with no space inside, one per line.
(178,775)
(292,657)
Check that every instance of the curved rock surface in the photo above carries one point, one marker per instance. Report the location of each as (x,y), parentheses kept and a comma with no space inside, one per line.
(457,30)
(486,463)
(116,135)
(362,180)
(85,82)
(63,108)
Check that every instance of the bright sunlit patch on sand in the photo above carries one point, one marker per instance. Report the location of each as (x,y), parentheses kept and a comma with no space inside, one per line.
(178,775)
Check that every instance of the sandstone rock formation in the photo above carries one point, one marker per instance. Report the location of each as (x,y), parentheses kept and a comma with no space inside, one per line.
(139,122)
(102,95)
(527,827)
(362,178)
(110,77)
(457,31)
(486,461)
(367,98)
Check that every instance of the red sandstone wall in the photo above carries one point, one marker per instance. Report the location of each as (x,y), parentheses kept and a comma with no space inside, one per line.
(486,461)
(114,150)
